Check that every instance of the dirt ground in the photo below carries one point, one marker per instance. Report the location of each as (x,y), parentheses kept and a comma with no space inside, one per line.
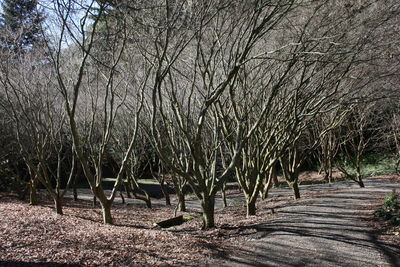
(35,236)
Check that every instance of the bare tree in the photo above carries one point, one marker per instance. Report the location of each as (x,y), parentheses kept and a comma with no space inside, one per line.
(221,43)
(38,122)
(361,131)
(90,81)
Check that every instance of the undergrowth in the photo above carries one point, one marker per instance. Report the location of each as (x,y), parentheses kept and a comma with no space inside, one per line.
(390,209)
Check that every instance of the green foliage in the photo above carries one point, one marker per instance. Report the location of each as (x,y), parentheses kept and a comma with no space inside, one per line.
(376,164)
(372,164)
(390,210)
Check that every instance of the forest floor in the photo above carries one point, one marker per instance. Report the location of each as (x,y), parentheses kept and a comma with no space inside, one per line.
(331,225)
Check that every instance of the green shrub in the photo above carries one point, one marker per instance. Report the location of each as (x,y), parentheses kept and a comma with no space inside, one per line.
(372,164)
(390,210)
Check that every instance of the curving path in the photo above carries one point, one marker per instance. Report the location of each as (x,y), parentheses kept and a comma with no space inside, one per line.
(322,231)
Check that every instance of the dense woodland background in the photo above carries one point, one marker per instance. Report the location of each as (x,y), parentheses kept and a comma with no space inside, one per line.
(195,93)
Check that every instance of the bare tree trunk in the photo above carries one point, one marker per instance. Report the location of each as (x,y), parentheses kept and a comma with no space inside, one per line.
(106,208)
(58,205)
(127,191)
(295,188)
(275,180)
(33,199)
(223,192)
(359,178)
(251,207)
(165,192)
(122,196)
(208,205)
(271,178)
(330,170)
(75,193)
(74,190)
(133,185)
(273,175)
(360,183)
(267,187)
(181,198)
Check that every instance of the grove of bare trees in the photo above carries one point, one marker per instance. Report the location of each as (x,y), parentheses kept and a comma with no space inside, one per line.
(198,93)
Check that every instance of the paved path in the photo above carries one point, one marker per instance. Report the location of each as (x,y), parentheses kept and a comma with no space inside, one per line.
(322,231)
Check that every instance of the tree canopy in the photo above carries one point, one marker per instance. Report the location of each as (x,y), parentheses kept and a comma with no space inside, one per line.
(20,24)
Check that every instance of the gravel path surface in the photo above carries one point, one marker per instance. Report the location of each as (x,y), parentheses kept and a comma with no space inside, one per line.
(323,231)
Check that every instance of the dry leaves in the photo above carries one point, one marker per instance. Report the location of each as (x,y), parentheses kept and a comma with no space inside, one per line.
(36,234)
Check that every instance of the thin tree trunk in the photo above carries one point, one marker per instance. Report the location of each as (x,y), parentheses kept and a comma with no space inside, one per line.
(127,191)
(74,189)
(359,180)
(122,196)
(274,175)
(135,187)
(295,188)
(58,205)
(75,192)
(223,192)
(330,170)
(33,199)
(181,198)
(164,190)
(361,183)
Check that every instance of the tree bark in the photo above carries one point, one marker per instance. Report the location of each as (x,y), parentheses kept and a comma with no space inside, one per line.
(359,180)
(106,208)
(223,192)
(251,208)
(33,200)
(295,189)
(207,203)
(181,198)
(58,205)
(122,196)
(274,176)
(74,190)
(134,187)
(164,190)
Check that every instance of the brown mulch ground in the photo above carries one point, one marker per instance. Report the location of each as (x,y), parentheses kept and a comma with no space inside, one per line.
(34,234)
